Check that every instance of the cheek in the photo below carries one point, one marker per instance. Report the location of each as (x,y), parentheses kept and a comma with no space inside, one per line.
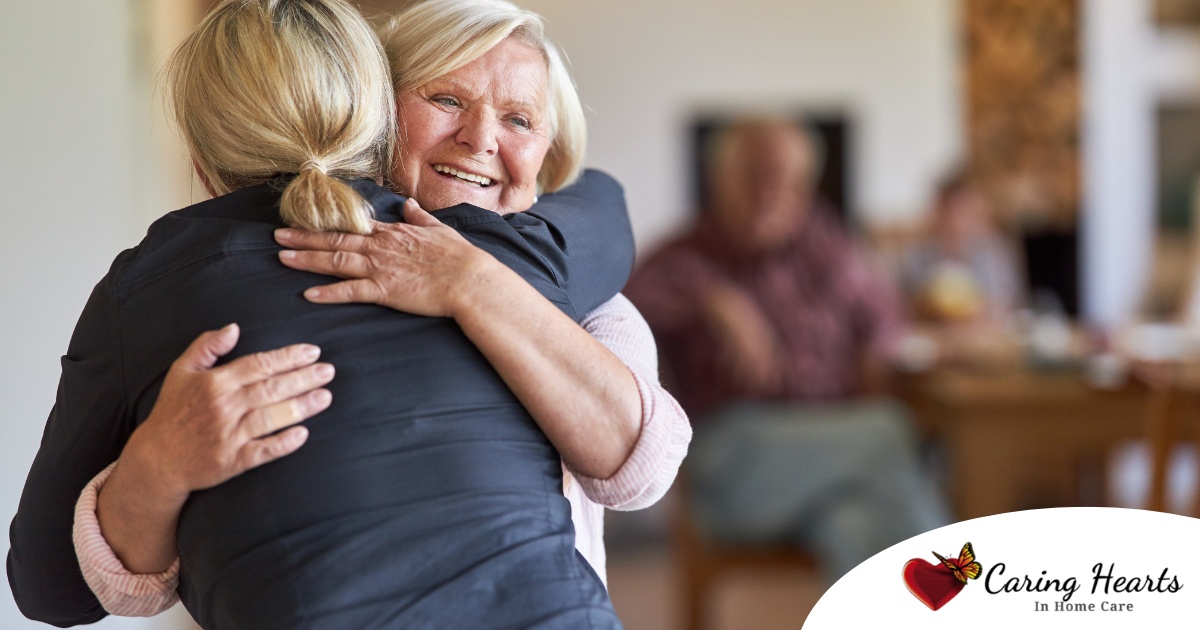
(415,142)
(524,160)
(421,128)
(417,137)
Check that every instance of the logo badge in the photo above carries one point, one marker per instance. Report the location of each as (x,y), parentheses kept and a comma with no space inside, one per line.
(936,584)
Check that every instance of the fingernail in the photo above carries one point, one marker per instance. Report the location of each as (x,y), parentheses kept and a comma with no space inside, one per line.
(310,352)
(325,370)
(229,328)
(283,234)
(287,254)
(322,397)
(313,293)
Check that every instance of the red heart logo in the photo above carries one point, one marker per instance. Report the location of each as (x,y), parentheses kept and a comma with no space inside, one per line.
(933,584)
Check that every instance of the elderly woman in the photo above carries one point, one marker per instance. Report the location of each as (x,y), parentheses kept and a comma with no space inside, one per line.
(483,156)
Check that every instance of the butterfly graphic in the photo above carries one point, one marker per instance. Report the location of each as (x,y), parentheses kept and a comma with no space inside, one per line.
(965,567)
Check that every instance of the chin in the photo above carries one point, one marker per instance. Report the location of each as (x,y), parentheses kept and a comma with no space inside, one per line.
(446,198)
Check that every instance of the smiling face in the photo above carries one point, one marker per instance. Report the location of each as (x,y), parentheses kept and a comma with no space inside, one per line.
(477,135)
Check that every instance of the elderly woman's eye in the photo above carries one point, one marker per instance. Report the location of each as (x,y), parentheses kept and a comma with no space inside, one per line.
(448,101)
(521,122)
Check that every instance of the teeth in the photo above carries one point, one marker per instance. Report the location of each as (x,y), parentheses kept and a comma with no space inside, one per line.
(470,177)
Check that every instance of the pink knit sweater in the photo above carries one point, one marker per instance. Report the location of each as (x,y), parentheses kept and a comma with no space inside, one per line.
(641,481)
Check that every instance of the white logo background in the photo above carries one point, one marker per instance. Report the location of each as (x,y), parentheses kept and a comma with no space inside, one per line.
(1064,542)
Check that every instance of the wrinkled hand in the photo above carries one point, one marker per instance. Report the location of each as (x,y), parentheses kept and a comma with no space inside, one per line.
(211,424)
(421,267)
(747,345)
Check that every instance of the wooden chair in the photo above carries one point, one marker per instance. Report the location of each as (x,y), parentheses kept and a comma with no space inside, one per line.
(1171,410)
(702,561)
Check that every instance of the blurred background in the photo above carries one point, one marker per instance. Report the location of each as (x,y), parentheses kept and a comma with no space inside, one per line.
(1074,123)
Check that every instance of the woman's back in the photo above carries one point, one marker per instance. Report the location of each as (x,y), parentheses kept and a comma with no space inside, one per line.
(425,495)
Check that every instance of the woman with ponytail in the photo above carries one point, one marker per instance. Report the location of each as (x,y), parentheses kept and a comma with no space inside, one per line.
(426,496)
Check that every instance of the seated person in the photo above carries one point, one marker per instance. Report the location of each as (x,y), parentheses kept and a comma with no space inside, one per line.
(773,328)
(963,271)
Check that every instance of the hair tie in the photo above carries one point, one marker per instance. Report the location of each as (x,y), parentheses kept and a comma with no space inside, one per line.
(314,165)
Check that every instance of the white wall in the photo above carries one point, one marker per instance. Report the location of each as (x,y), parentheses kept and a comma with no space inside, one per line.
(71,139)
(644,68)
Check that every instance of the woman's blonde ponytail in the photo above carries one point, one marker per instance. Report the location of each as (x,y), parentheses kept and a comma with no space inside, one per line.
(316,201)
(269,88)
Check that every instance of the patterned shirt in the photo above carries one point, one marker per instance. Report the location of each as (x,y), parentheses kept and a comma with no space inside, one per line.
(828,307)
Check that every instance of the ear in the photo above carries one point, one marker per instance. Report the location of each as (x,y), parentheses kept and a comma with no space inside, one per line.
(203,179)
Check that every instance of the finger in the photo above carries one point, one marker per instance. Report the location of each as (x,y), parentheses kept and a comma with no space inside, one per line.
(287,385)
(361,291)
(255,453)
(260,365)
(341,264)
(320,241)
(271,418)
(415,215)
(204,351)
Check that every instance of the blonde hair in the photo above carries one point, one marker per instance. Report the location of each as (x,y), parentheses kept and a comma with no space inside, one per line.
(270,87)
(434,38)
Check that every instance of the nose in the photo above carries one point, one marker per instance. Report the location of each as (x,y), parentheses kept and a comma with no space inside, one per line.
(480,132)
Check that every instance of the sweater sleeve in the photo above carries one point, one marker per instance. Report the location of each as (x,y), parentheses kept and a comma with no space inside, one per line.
(662,444)
(119,591)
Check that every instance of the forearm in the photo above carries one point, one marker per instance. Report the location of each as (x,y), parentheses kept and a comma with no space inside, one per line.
(120,591)
(662,444)
(652,466)
(208,425)
(139,518)
(579,393)
(583,398)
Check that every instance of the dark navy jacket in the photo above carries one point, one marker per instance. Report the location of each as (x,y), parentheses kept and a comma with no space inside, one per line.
(425,497)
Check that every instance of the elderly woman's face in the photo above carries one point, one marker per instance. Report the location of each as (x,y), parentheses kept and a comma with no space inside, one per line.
(479,134)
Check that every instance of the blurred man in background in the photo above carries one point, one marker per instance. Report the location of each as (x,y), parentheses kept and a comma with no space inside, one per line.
(775,329)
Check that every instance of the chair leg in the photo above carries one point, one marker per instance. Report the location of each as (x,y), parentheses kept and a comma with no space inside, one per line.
(1162,431)
(699,576)
(694,606)
(1190,414)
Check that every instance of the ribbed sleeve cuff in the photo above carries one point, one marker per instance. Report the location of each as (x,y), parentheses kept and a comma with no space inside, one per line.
(119,591)
(648,472)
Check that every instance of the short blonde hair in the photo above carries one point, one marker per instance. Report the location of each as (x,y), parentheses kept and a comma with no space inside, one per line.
(434,38)
(270,87)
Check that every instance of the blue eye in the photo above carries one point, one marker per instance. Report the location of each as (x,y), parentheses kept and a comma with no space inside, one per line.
(521,122)
(448,101)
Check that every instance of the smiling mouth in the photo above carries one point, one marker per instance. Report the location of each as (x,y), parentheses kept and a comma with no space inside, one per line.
(450,171)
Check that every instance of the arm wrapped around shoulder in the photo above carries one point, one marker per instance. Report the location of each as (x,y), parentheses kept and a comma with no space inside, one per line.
(590,237)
